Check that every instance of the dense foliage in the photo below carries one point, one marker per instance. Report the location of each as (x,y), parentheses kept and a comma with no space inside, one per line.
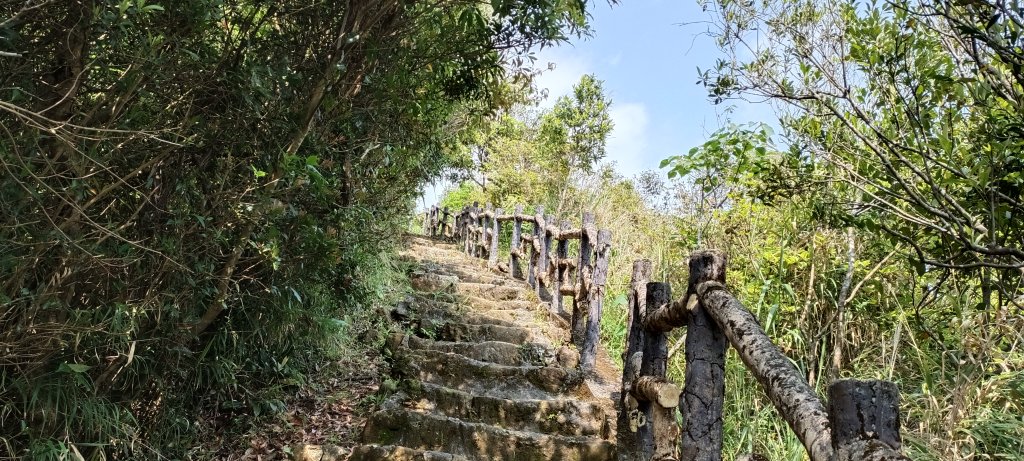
(198,195)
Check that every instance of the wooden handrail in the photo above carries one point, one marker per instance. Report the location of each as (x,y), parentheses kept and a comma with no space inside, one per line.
(549,270)
(861,422)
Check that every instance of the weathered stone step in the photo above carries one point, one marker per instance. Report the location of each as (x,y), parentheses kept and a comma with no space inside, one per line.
(424,431)
(439,312)
(483,304)
(469,332)
(494,292)
(474,274)
(497,352)
(568,417)
(373,452)
(488,379)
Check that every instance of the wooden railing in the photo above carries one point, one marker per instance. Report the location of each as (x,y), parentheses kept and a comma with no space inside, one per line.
(543,247)
(861,421)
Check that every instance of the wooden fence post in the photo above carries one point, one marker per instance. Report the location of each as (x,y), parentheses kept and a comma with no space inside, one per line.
(549,221)
(785,386)
(481,247)
(428,223)
(595,300)
(704,387)
(654,362)
(515,252)
(471,227)
(542,255)
(444,222)
(462,222)
(492,258)
(865,419)
(561,268)
(583,273)
(537,248)
(633,353)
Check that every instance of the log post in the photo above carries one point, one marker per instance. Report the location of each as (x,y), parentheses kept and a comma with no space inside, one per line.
(637,299)
(462,222)
(704,387)
(470,224)
(492,258)
(561,253)
(595,298)
(445,214)
(481,247)
(654,363)
(583,275)
(531,260)
(515,262)
(865,419)
(785,386)
(546,274)
(430,220)
(541,266)
(535,248)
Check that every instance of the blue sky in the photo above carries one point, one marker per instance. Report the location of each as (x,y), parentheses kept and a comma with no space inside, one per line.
(647,53)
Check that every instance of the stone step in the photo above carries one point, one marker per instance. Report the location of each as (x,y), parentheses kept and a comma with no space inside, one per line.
(435,311)
(497,352)
(477,303)
(469,332)
(488,379)
(425,431)
(568,417)
(485,304)
(373,452)
(494,292)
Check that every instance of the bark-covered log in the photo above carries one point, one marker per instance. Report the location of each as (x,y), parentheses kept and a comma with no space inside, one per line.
(633,352)
(704,387)
(654,363)
(580,302)
(588,357)
(865,419)
(637,302)
(471,222)
(538,224)
(515,261)
(670,315)
(655,344)
(543,254)
(445,214)
(492,257)
(657,390)
(561,252)
(485,225)
(570,234)
(782,382)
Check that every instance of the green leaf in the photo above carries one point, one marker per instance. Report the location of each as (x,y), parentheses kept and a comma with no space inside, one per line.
(74,368)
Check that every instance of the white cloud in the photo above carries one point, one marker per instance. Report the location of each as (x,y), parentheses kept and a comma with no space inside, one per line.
(628,141)
(568,68)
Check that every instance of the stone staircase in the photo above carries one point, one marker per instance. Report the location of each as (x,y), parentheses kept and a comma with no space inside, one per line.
(486,374)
